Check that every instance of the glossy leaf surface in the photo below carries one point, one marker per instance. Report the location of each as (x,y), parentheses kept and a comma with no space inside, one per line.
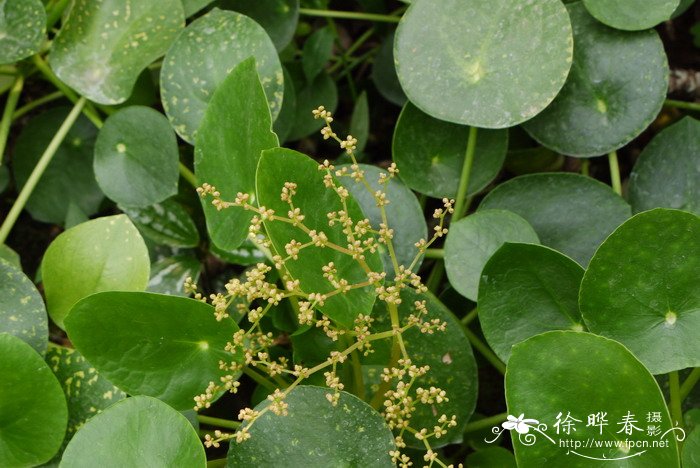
(105,254)
(151,336)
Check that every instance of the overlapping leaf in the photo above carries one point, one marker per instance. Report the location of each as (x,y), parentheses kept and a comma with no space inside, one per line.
(641,289)
(314,201)
(151,336)
(471,242)
(526,290)
(33,412)
(22,29)
(138,431)
(136,157)
(508,64)
(103,47)
(430,154)
(570,213)
(228,159)
(104,254)
(22,311)
(201,59)
(605,103)
(577,374)
(673,155)
(349,434)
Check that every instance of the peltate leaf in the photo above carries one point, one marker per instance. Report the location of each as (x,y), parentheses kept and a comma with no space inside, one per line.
(103,47)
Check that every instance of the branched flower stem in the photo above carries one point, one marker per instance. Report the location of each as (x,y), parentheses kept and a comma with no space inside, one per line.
(249,349)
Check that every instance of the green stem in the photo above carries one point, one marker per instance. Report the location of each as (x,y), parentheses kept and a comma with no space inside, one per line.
(27,108)
(354,63)
(675,400)
(343,57)
(689,383)
(586,167)
(485,351)
(39,170)
(55,13)
(469,318)
(188,175)
(692,106)
(435,253)
(397,350)
(358,43)
(218,422)
(460,204)
(357,377)
(349,15)
(615,173)
(10,106)
(485,423)
(351,50)
(259,379)
(435,277)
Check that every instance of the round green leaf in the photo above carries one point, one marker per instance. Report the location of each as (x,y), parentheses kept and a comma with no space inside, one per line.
(315,201)
(570,213)
(321,92)
(384,73)
(150,344)
(278,17)
(578,374)
(631,15)
(104,254)
(203,56)
(168,275)
(22,311)
(136,157)
(349,434)
(491,457)
(22,29)
(508,63)
(430,154)
(87,393)
(69,177)
(103,47)
(403,213)
(471,242)
(526,290)
(605,103)
(166,223)
(33,412)
(451,361)
(667,173)
(691,450)
(138,431)
(641,289)
(228,160)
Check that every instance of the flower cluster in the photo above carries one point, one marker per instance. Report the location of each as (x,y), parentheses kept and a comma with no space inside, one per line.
(261,289)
